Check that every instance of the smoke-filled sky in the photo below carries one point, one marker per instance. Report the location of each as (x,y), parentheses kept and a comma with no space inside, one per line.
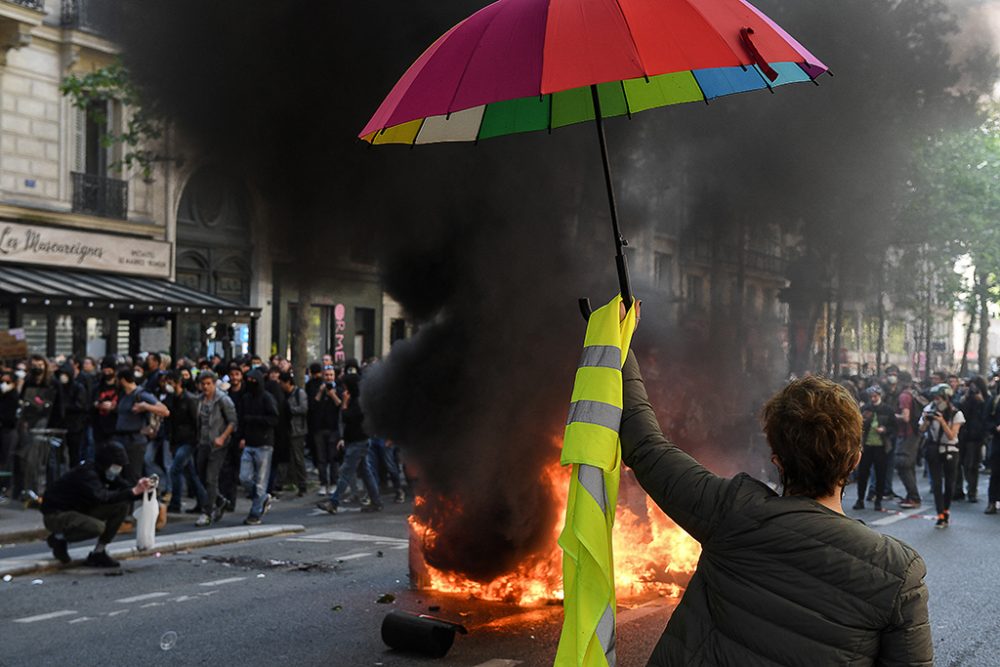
(481,243)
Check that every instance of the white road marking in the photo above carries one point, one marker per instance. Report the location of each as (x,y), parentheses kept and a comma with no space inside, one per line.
(117,612)
(81,620)
(499,662)
(896,517)
(344,536)
(317,512)
(45,617)
(354,556)
(207,593)
(151,604)
(219,582)
(139,598)
(183,598)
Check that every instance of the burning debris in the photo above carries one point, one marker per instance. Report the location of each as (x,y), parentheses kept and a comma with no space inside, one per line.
(653,557)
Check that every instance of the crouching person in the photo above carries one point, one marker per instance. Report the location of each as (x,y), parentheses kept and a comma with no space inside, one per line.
(90,501)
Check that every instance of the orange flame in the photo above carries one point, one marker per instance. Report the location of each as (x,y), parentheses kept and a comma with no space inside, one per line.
(653,556)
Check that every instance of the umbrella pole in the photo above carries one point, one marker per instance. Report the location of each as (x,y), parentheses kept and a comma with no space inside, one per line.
(620,260)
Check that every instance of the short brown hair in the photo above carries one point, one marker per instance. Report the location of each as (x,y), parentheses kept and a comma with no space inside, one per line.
(814,428)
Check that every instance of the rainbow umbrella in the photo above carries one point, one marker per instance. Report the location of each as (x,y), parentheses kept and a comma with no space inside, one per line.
(526,65)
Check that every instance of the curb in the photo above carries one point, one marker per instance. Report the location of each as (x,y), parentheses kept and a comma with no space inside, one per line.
(29,535)
(124,550)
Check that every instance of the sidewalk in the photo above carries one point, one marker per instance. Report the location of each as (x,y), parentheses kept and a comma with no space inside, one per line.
(43,560)
(20,525)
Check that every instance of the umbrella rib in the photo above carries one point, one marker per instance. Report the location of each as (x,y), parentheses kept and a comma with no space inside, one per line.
(631,37)
(468,61)
(628,111)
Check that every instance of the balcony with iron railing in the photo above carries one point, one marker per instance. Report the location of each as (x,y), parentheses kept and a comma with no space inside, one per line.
(37,5)
(100,196)
(93,16)
(705,251)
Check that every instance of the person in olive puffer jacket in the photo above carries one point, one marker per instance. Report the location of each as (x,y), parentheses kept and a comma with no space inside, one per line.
(783,579)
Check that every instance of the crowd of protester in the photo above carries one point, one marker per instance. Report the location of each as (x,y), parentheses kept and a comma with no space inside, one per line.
(78,435)
(946,425)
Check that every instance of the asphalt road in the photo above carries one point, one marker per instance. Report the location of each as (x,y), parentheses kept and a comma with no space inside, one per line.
(313,599)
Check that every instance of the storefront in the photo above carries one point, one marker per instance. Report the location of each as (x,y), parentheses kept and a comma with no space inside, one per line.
(345,316)
(75,292)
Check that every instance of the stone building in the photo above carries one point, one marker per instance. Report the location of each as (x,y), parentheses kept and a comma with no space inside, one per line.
(97,260)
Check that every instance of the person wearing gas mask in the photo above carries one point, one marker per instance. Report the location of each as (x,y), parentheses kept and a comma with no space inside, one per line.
(257,414)
(37,396)
(90,501)
(940,423)
(878,431)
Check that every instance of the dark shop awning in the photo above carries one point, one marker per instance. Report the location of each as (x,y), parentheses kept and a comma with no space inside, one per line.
(83,289)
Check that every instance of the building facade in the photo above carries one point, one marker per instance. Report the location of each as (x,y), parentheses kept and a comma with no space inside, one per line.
(99,260)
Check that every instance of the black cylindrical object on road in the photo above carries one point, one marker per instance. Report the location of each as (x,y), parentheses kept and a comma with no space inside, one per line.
(419,633)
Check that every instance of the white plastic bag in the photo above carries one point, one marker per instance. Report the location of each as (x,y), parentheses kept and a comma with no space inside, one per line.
(145,524)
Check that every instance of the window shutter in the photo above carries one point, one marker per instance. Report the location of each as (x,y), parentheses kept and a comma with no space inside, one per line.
(79,140)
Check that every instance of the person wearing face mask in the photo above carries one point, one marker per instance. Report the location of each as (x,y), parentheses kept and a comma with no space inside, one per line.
(90,501)
(37,396)
(104,405)
(877,431)
(71,411)
(941,423)
(8,427)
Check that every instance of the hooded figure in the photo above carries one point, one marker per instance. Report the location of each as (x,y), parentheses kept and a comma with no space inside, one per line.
(70,411)
(90,501)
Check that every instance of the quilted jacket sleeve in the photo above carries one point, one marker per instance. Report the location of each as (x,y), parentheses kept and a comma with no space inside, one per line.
(688,493)
(907,641)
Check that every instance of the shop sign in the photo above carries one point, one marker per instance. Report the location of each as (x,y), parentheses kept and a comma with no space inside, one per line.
(13,344)
(339,326)
(71,249)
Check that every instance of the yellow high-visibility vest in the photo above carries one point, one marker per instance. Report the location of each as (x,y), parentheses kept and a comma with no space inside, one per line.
(592,447)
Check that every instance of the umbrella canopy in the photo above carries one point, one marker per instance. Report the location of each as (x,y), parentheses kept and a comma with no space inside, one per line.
(524,65)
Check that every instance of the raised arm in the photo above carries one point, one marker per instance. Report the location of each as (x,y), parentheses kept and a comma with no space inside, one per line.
(687,492)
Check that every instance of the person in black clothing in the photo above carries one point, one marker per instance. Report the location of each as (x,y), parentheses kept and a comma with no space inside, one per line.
(993,427)
(294,428)
(154,370)
(37,397)
(325,406)
(314,378)
(355,445)
(257,415)
(182,430)
(279,463)
(89,501)
(8,426)
(975,406)
(878,431)
(104,413)
(230,476)
(71,411)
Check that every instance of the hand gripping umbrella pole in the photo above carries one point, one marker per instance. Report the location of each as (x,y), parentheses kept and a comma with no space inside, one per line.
(621,261)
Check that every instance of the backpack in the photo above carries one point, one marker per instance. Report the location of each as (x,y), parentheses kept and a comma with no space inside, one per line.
(917,408)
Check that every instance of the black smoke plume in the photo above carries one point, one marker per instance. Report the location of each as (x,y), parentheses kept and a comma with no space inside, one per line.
(489,246)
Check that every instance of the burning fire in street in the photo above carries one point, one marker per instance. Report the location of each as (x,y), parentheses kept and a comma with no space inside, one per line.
(653,556)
